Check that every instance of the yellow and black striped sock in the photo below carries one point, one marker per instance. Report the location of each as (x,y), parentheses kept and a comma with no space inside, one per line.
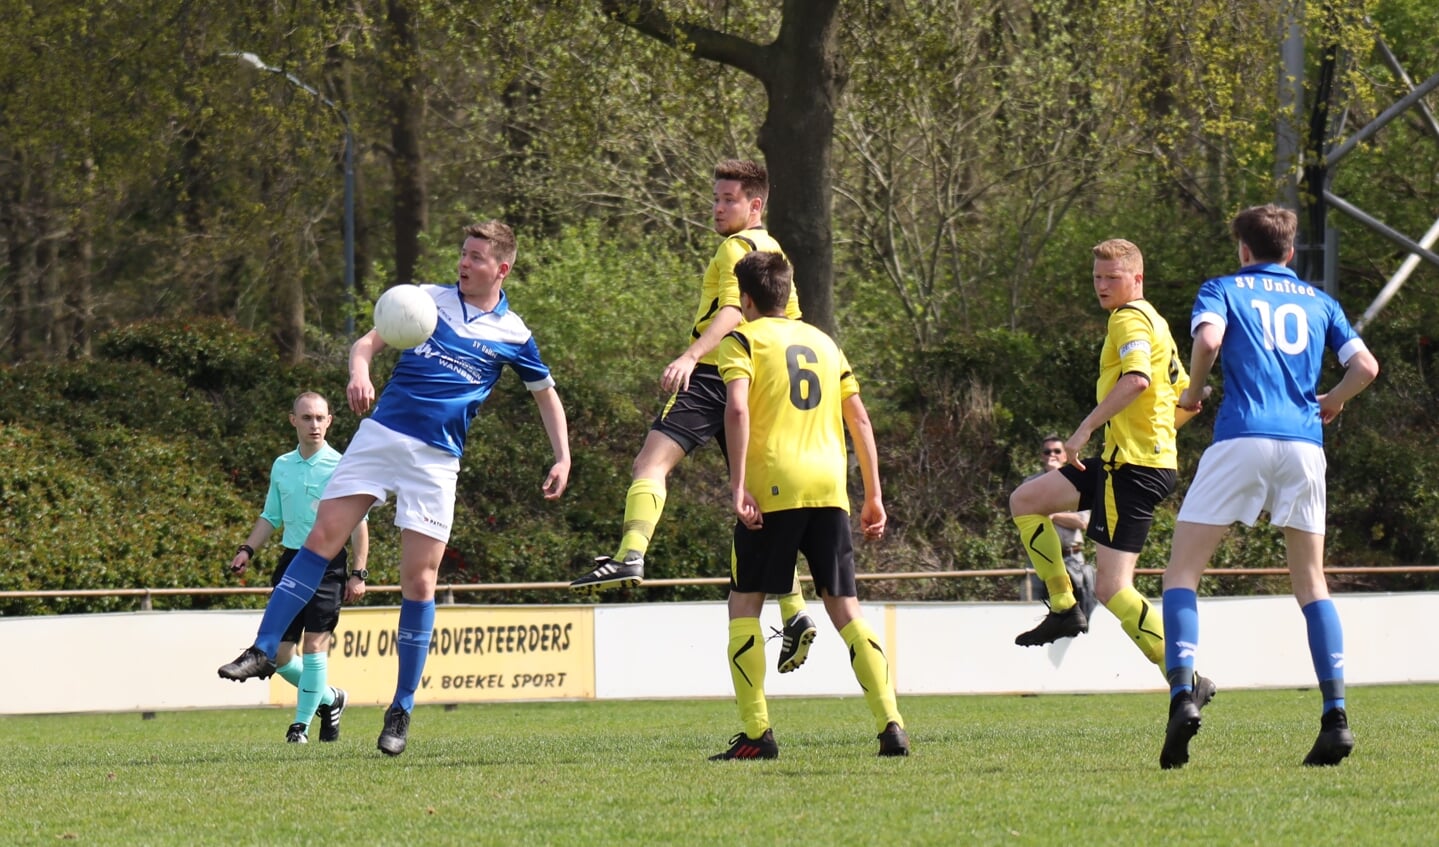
(1041,542)
(792,603)
(746,669)
(644,503)
(871,668)
(1143,624)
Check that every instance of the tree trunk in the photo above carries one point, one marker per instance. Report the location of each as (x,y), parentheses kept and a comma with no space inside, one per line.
(289,323)
(20,239)
(803,80)
(407,114)
(53,337)
(80,300)
(803,76)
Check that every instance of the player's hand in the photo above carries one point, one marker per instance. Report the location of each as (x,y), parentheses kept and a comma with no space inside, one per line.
(237,564)
(1328,409)
(1074,447)
(556,480)
(872,519)
(677,374)
(747,509)
(1192,400)
(360,393)
(354,589)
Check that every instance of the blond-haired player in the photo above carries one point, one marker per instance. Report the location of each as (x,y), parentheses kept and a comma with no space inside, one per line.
(1140,380)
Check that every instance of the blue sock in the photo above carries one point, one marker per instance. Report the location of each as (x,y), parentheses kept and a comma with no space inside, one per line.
(1326,649)
(296,588)
(1181,638)
(412,647)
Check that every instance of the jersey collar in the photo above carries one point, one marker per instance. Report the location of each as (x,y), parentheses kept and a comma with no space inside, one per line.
(470,313)
(1273,268)
(313,457)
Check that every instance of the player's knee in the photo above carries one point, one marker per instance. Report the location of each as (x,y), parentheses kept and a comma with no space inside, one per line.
(1017,500)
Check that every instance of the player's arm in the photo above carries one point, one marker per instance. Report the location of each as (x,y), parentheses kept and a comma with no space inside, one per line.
(552,414)
(359,561)
(861,432)
(1207,339)
(677,373)
(259,534)
(1359,371)
(736,428)
(1126,390)
(361,391)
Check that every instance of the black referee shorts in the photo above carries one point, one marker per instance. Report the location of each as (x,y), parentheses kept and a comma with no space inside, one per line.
(322,613)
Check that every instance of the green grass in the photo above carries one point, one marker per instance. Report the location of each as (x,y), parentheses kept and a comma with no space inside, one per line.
(985,770)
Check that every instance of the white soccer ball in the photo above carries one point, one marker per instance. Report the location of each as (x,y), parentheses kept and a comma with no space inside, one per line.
(405,316)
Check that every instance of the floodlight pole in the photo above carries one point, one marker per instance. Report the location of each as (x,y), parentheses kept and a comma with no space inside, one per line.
(256,62)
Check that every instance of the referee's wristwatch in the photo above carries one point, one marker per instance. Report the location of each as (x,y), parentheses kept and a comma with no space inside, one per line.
(362,574)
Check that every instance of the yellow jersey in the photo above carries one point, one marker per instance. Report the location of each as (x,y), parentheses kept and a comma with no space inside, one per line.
(798,380)
(1138,341)
(721,288)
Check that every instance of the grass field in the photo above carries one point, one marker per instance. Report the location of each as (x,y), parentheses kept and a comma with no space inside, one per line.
(1066,770)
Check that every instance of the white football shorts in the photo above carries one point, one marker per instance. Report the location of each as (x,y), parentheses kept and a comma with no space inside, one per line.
(380,461)
(1240,477)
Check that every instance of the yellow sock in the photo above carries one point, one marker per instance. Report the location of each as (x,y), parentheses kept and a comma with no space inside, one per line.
(1143,624)
(792,603)
(643,504)
(746,669)
(1041,542)
(871,668)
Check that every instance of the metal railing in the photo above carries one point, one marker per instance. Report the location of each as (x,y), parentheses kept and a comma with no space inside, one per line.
(445,593)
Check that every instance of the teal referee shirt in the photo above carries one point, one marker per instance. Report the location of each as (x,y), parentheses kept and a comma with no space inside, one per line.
(296,485)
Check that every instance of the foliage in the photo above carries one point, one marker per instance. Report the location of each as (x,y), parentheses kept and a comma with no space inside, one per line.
(171,240)
(144,468)
(146,197)
(93,513)
(956,435)
(207,354)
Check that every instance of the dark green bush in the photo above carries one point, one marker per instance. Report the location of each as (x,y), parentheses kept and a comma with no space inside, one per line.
(208,354)
(125,511)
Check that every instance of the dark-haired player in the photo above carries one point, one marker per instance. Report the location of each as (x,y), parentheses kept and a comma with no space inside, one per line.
(1268,456)
(790,397)
(695,411)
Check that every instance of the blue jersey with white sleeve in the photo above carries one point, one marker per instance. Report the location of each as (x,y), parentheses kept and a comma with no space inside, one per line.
(438,386)
(1276,328)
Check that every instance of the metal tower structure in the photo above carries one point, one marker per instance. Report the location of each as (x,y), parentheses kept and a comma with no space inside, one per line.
(1316,254)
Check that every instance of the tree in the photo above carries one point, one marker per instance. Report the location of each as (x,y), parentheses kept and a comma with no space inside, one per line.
(961,155)
(407,102)
(803,76)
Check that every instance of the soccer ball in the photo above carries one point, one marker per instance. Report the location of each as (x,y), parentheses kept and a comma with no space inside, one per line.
(405,316)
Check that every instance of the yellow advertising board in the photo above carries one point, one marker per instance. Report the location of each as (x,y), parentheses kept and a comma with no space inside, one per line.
(477,654)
